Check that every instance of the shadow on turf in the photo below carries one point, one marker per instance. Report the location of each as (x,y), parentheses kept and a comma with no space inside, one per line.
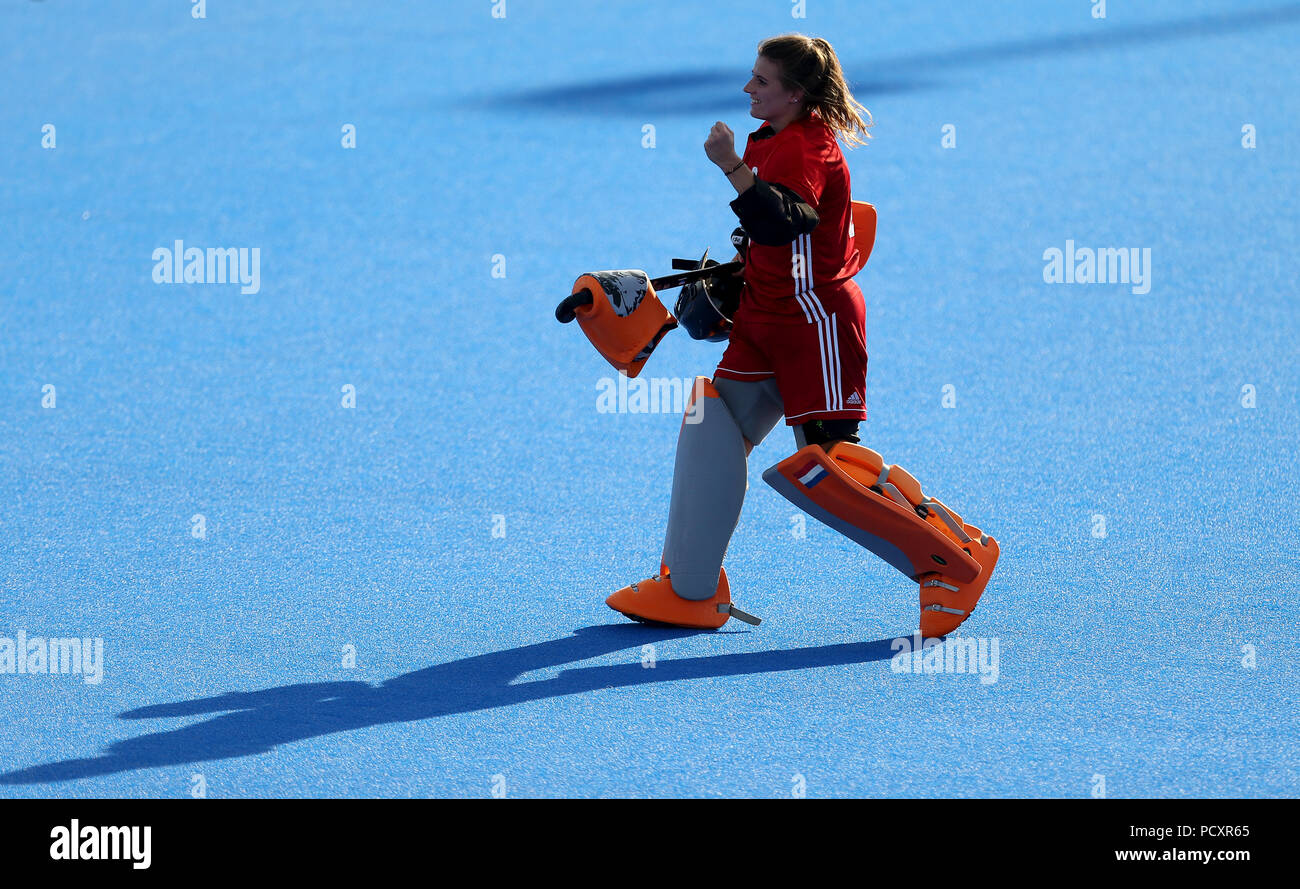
(248,723)
(712,89)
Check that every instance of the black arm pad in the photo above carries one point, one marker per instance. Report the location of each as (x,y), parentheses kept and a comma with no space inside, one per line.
(773,214)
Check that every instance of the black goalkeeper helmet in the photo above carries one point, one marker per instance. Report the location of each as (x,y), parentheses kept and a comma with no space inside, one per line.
(700,311)
(705,308)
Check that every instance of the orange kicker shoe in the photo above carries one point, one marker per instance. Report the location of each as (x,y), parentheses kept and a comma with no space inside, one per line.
(653,601)
(945,605)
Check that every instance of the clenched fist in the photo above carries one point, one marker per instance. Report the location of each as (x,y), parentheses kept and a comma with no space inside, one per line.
(721,146)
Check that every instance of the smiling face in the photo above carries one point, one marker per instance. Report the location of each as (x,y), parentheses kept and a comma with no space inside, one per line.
(768,98)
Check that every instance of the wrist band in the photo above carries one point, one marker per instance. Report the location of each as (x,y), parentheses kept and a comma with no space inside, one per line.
(736,167)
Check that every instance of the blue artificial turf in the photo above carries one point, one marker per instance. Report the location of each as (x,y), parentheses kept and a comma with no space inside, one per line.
(497,159)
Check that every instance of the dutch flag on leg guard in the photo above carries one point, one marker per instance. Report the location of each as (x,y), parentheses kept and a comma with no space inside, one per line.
(810,476)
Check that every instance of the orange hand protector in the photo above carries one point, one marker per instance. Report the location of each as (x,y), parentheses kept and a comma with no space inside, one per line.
(625,319)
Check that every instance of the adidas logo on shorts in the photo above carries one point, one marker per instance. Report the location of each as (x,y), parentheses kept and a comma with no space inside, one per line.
(854,399)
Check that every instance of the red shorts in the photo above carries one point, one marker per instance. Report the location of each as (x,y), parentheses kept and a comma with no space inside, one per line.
(819,357)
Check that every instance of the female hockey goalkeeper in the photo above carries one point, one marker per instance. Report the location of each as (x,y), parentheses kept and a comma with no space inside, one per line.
(797,349)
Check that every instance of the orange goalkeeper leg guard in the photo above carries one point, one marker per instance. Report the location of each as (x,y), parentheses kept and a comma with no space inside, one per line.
(709,483)
(883,509)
